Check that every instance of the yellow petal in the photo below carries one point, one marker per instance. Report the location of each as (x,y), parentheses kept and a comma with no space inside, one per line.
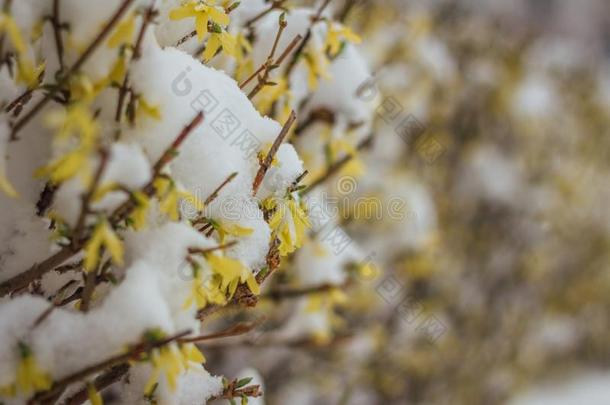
(182,12)
(218,16)
(211,47)
(123,33)
(201,25)
(253,285)
(113,244)
(94,396)
(7,187)
(228,43)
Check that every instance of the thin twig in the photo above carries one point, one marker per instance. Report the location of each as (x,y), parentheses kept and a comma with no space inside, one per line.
(22,280)
(235,330)
(99,39)
(86,199)
(197,251)
(266,164)
(287,293)
(299,52)
(132,354)
(337,166)
(274,6)
(57,27)
(100,383)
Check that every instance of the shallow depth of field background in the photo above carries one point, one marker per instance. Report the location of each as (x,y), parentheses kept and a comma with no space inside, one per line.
(493,128)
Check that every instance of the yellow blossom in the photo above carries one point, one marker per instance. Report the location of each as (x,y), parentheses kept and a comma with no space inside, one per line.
(170,196)
(94,396)
(270,94)
(103,235)
(150,110)
(354,167)
(204,290)
(337,34)
(203,12)
(27,72)
(76,120)
(30,378)
(169,361)
(217,39)
(139,214)
(231,229)
(242,47)
(317,65)
(325,301)
(289,222)
(232,272)
(123,33)
(7,187)
(191,353)
(66,166)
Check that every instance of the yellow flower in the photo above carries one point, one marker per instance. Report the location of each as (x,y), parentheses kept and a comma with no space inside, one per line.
(169,361)
(94,396)
(67,166)
(7,187)
(337,34)
(10,27)
(289,222)
(123,33)
(27,72)
(270,94)
(8,390)
(203,12)
(76,120)
(170,196)
(232,272)
(317,66)
(354,167)
(204,290)
(30,378)
(83,89)
(139,214)
(217,39)
(103,235)
(191,353)
(150,110)
(243,47)
(231,229)
(325,301)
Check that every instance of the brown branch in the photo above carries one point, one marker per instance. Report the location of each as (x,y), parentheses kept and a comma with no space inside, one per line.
(149,16)
(99,39)
(132,354)
(88,289)
(289,293)
(271,65)
(278,4)
(337,166)
(266,164)
(346,10)
(86,198)
(22,280)
(196,251)
(305,41)
(100,383)
(235,330)
(56,23)
(231,391)
(19,102)
(170,153)
(46,199)
(214,195)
